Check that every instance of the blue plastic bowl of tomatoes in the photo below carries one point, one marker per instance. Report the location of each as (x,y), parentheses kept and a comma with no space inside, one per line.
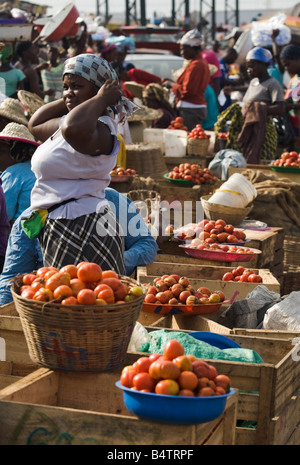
(173,409)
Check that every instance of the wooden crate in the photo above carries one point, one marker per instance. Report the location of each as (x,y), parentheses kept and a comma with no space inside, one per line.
(11,372)
(266,241)
(292,250)
(11,331)
(190,323)
(267,392)
(207,276)
(76,409)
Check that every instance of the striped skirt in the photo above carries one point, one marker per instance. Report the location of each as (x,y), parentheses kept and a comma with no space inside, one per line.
(93,238)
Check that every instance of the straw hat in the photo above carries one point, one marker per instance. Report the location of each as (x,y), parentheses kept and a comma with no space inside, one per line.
(31,102)
(135,88)
(13,110)
(18,132)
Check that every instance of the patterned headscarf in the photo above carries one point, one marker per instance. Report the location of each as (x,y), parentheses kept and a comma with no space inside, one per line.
(157,92)
(259,54)
(97,71)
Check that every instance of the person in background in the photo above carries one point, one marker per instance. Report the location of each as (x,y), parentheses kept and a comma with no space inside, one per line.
(212,59)
(190,85)
(228,59)
(276,69)
(79,149)
(13,78)
(157,97)
(52,76)
(212,109)
(109,52)
(4,228)
(252,130)
(28,57)
(17,146)
(24,255)
(290,59)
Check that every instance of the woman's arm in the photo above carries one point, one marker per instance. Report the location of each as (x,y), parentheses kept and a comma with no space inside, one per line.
(45,120)
(81,127)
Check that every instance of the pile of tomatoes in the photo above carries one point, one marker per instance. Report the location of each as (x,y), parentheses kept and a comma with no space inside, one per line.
(243,275)
(198,133)
(288,160)
(211,232)
(222,135)
(193,173)
(174,373)
(177,290)
(177,123)
(120,171)
(82,284)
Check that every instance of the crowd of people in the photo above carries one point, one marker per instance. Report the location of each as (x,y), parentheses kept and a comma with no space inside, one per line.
(55,204)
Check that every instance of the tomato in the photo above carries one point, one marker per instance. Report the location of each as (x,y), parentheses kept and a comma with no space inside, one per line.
(62,292)
(28,278)
(27,293)
(143,381)
(255,278)
(70,301)
(187,380)
(89,272)
(227,277)
(142,365)
(168,387)
(43,295)
(71,269)
(86,297)
(37,284)
(173,349)
(76,285)
(109,274)
(57,279)
(126,378)
(106,294)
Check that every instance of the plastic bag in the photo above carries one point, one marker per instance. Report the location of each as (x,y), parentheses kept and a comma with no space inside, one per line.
(284,315)
(261,33)
(138,338)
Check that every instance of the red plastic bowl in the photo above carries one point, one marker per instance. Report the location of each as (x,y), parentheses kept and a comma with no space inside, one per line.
(59,25)
(217,255)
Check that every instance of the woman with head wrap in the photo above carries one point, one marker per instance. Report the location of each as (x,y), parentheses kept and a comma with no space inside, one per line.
(157,97)
(13,77)
(191,83)
(252,130)
(290,58)
(79,149)
(17,146)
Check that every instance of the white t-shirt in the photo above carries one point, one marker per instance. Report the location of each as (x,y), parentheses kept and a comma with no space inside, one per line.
(62,173)
(268,91)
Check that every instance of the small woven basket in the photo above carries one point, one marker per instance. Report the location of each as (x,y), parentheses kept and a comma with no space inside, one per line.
(197,147)
(232,215)
(76,337)
(31,102)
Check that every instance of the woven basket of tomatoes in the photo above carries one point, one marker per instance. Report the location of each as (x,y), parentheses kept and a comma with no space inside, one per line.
(77,318)
(198,142)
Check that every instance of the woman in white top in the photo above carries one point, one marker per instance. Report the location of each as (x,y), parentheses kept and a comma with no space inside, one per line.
(72,165)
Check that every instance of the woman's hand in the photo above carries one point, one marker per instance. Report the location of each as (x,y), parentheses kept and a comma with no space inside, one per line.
(111,92)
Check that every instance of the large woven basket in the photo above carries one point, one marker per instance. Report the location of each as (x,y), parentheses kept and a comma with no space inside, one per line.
(77,338)
(30,101)
(197,147)
(232,215)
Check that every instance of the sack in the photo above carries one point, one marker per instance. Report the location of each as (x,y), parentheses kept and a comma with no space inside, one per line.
(285,131)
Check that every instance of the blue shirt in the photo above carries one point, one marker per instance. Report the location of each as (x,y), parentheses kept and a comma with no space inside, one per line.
(17,182)
(212,108)
(24,255)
